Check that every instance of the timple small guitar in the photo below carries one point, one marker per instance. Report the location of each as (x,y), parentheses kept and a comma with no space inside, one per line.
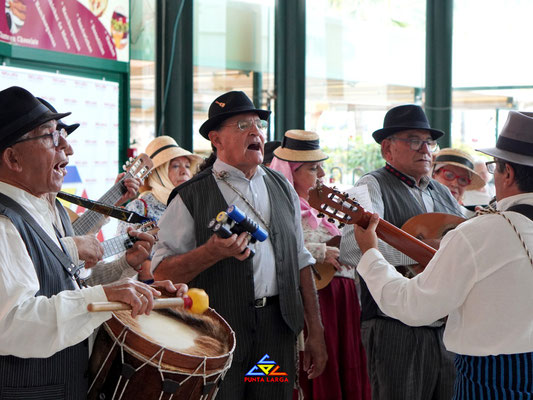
(338,206)
(90,221)
(123,242)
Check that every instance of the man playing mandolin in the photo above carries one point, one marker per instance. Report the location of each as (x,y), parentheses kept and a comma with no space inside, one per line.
(481,278)
(404,362)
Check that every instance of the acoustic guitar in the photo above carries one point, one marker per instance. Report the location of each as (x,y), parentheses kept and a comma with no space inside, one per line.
(431,225)
(91,221)
(339,206)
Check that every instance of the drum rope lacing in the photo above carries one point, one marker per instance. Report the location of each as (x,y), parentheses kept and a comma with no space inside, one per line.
(122,337)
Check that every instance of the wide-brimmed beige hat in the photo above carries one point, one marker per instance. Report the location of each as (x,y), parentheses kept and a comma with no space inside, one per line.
(300,146)
(165,148)
(515,141)
(461,159)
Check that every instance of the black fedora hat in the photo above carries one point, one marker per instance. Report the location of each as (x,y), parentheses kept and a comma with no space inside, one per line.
(226,106)
(60,124)
(269,150)
(402,118)
(21,112)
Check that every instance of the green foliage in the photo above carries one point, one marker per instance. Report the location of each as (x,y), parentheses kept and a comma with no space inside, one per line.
(354,161)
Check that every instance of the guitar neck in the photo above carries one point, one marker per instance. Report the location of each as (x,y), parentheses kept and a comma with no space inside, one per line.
(401,240)
(117,245)
(90,220)
(346,210)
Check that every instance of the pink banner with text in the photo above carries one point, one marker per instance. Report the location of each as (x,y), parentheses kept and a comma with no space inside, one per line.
(95,28)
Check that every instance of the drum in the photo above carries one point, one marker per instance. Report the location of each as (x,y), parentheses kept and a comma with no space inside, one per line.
(160,356)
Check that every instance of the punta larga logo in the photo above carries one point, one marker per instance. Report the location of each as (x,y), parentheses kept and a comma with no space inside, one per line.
(266,370)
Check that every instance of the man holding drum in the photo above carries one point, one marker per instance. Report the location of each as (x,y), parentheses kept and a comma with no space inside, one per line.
(263,298)
(44,323)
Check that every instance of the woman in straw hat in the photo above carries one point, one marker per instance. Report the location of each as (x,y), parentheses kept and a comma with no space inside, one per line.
(454,168)
(173,165)
(300,159)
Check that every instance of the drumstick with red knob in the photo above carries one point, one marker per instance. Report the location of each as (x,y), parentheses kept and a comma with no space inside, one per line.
(195,300)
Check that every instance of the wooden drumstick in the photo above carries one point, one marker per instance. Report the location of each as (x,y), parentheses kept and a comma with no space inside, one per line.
(195,300)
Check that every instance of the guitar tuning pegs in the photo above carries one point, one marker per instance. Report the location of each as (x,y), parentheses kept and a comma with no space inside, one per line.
(320,215)
(331,220)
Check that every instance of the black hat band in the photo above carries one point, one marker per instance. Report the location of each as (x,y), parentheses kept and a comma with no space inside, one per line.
(168,146)
(24,119)
(295,144)
(514,146)
(455,159)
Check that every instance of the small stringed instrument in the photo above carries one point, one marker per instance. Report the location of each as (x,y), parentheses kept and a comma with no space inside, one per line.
(123,242)
(324,272)
(90,221)
(431,225)
(339,206)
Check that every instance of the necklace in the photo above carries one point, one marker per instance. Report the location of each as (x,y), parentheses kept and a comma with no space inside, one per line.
(223,176)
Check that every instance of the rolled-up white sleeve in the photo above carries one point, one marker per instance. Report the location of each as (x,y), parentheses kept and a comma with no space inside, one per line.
(429,296)
(304,256)
(37,326)
(176,235)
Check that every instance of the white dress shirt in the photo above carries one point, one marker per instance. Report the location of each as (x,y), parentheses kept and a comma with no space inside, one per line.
(480,277)
(37,326)
(177,234)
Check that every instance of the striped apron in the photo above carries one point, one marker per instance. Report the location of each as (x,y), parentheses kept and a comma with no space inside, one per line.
(501,377)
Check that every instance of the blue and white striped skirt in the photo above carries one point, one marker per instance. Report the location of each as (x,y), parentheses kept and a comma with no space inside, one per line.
(502,377)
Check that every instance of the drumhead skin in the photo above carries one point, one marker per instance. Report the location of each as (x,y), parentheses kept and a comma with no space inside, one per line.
(216,343)
(131,360)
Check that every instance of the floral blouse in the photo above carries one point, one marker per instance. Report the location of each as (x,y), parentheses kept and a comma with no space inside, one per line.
(146,205)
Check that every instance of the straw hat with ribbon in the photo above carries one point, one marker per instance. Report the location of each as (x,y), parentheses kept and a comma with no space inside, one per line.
(300,146)
(461,159)
(162,150)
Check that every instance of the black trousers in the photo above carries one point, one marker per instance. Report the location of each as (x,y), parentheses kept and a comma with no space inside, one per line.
(272,337)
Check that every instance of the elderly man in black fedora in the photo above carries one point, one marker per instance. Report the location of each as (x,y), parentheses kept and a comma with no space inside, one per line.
(44,322)
(481,278)
(403,362)
(264,297)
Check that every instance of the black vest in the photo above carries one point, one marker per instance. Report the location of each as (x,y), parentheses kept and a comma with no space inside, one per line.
(399,206)
(230,282)
(63,375)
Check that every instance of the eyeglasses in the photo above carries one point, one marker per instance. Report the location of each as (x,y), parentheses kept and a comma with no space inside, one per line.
(450,176)
(54,135)
(247,124)
(416,144)
(491,166)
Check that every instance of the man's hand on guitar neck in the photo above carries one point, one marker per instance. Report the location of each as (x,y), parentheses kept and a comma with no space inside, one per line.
(367,238)
(89,248)
(141,249)
(132,185)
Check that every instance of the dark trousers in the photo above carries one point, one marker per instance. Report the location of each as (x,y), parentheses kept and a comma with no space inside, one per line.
(406,362)
(272,337)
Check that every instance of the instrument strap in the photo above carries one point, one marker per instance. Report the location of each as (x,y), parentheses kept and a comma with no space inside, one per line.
(71,269)
(527,211)
(105,209)
(524,209)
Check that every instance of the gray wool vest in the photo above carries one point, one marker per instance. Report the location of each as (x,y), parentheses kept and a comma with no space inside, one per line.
(63,375)
(230,282)
(399,206)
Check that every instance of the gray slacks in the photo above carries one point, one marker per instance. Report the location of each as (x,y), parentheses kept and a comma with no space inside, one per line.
(407,363)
